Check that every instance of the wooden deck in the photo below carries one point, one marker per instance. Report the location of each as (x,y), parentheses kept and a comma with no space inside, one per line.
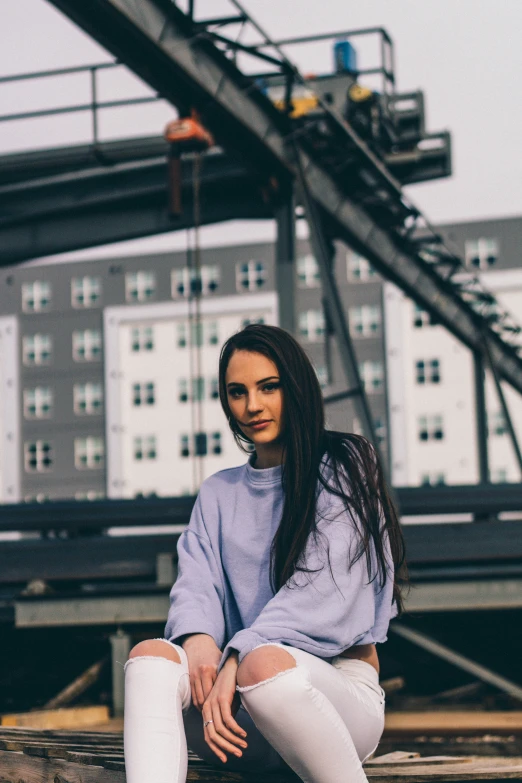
(60,756)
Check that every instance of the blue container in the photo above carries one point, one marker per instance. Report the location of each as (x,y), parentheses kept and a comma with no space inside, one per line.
(345,57)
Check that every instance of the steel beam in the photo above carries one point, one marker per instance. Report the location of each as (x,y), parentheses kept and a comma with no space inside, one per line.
(73,210)
(162,45)
(456,659)
(481,418)
(285,261)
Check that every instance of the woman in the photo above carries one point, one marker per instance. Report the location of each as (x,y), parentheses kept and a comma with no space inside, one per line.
(288,574)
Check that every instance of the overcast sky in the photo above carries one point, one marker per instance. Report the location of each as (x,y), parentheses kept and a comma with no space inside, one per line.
(464,54)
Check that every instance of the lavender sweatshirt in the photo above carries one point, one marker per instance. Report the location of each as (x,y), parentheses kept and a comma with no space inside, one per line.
(223,587)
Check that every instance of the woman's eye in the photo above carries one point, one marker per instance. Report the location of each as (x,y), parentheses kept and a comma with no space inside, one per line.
(270,387)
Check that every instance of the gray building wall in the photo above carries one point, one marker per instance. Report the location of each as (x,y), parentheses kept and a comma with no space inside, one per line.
(65,480)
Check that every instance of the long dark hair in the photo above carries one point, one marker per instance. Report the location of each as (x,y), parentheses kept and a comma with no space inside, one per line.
(352,459)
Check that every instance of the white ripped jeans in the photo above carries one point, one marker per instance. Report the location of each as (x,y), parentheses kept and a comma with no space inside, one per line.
(321,719)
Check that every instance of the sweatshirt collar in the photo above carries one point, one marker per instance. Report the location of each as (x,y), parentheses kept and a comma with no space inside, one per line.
(262,476)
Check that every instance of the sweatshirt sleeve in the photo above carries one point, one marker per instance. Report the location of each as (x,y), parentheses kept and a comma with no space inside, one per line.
(197,596)
(315,612)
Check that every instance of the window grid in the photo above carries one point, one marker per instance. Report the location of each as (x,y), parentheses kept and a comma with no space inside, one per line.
(308,275)
(430,427)
(185,282)
(421,317)
(90,494)
(88,398)
(250,275)
(215,443)
(248,321)
(214,388)
(145,447)
(140,286)
(312,325)
(86,345)
(38,402)
(433,479)
(142,338)
(36,296)
(372,376)
(481,253)
(38,456)
(143,393)
(427,371)
(37,349)
(358,268)
(365,321)
(498,425)
(85,291)
(88,453)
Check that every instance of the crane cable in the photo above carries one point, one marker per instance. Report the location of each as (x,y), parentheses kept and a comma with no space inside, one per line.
(195,336)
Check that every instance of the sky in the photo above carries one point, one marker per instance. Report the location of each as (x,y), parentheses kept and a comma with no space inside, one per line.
(464,55)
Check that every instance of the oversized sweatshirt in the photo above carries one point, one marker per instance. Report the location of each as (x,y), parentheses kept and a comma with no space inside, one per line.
(223,586)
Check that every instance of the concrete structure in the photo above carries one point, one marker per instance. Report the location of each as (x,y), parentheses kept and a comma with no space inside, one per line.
(96,395)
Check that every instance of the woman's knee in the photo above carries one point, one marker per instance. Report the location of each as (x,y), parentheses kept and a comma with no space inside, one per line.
(263,663)
(157,648)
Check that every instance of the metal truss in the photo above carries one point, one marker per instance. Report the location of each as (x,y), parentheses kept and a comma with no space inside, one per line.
(189,64)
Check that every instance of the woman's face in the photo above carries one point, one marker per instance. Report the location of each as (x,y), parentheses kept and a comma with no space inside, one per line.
(254,394)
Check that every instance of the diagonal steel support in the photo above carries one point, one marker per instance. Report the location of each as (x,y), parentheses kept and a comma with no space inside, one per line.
(461,661)
(504,405)
(323,255)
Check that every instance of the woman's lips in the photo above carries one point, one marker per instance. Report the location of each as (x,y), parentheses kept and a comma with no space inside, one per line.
(259,426)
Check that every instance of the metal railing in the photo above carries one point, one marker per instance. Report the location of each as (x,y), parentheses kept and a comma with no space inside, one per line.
(93,105)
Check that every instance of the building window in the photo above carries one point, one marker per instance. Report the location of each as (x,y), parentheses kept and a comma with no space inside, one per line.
(140,286)
(433,479)
(379,426)
(88,398)
(145,447)
(499,475)
(199,445)
(358,268)
(430,428)
(213,333)
(182,334)
(38,456)
(250,276)
(322,375)
(497,424)
(481,253)
(308,275)
(37,349)
(86,345)
(183,390)
(422,318)
(85,291)
(196,333)
(36,296)
(427,371)
(142,338)
(372,376)
(312,325)
(184,446)
(185,282)
(215,443)
(38,402)
(248,321)
(88,453)
(365,321)
(143,393)
(214,388)
(90,494)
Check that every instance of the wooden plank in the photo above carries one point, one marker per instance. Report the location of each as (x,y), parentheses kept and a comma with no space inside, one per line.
(458,722)
(61,718)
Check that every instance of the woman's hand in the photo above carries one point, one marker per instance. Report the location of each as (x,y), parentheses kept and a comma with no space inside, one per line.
(221,706)
(203,659)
